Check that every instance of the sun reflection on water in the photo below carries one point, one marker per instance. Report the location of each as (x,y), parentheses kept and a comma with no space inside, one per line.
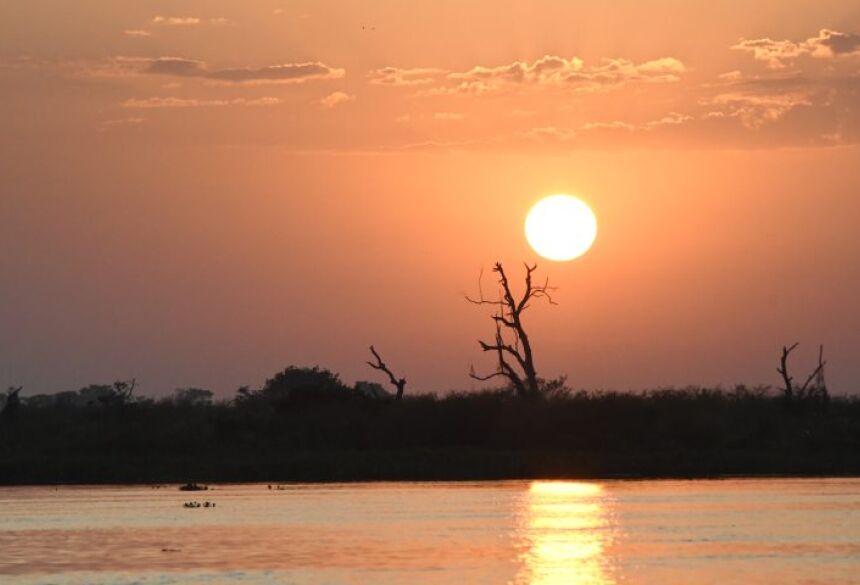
(565,532)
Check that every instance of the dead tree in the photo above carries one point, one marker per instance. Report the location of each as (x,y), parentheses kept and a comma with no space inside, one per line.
(787,380)
(13,402)
(514,357)
(118,394)
(398,383)
(124,389)
(816,391)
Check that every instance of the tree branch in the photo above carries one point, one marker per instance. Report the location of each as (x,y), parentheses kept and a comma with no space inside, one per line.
(818,370)
(398,383)
(783,369)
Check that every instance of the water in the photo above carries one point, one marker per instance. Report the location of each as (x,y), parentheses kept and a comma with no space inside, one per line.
(520,532)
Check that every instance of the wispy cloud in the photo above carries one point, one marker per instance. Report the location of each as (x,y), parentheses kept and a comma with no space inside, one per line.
(755,110)
(137,32)
(284,73)
(176,20)
(608,125)
(335,99)
(396,76)
(191,68)
(120,123)
(175,102)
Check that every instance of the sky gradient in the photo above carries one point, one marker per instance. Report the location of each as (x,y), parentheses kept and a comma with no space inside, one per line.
(201,193)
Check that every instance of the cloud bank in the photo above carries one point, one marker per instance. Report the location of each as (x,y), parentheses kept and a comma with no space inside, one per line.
(827,44)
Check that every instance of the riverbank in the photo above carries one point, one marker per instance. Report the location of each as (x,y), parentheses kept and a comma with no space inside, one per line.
(421,465)
(694,433)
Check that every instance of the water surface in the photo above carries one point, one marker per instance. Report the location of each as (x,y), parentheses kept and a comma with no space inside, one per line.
(518,532)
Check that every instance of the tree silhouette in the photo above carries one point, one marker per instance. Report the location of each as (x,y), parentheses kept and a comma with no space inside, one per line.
(398,383)
(13,402)
(192,397)
(816,392)
(515,358)
(298,388)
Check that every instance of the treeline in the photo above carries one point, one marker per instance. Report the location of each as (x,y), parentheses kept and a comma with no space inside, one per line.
(305,424)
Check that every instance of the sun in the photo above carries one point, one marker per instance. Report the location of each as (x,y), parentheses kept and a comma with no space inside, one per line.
(561,227)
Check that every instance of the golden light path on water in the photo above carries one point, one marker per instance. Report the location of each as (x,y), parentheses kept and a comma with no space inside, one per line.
(566,530)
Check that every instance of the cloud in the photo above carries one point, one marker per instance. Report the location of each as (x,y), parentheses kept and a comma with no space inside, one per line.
(285,73)
(771,52)
(611,125)
(756,101)
(176,20)
(335,99)
(176,66)
(828,44)
(121,122)
(183,68)
(560,72)
(544,70)
(549,135)
(396,76)
(175,102)
(670,119)
(137,33)
(756,110)
(731,76)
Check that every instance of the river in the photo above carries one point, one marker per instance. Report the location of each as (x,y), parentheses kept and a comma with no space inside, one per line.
(751,531)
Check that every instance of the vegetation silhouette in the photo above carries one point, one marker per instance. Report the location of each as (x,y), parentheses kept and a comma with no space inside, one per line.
(398,383)
(305,424)
(508,317)
(11,403)
(813,392)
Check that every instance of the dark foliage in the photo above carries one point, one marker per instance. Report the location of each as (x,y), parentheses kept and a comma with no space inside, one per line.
(306,425)
(297,389)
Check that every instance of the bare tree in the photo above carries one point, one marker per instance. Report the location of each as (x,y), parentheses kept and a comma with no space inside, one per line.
(808,390)
(124,389)
(787,380)
(13,401)
(117,394)
(514,357)
(399,383)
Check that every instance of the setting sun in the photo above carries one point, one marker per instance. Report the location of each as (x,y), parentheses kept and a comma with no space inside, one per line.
(561,227)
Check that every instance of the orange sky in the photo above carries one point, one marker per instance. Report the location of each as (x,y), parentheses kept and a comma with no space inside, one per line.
(203,192)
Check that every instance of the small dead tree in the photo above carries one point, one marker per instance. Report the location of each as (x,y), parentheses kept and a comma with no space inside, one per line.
(514,357)
(398,383)
(813,388)
(13,402)
(118,394)
(124,389)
